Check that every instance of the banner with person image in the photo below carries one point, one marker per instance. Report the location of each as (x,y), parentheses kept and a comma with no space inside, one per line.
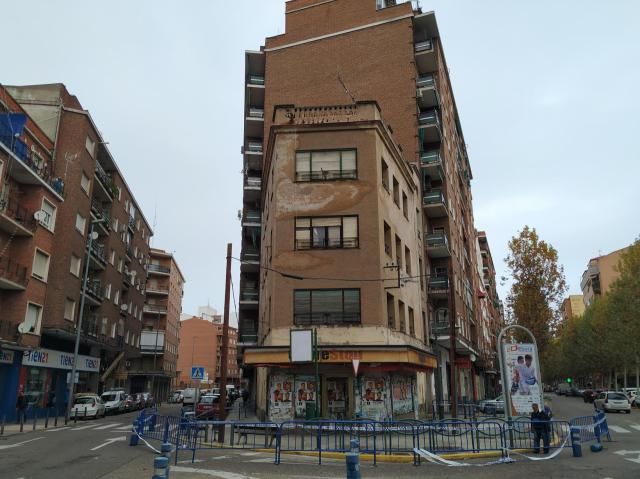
(523,377)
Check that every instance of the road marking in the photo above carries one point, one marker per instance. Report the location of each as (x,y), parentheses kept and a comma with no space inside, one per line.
(619,429)
(109,441)
(18,444)
(209,472)
(59,429)
(80,428)
(189,461)
(250,453)
(107,426)
(635,426)
(124,429)
(624,453)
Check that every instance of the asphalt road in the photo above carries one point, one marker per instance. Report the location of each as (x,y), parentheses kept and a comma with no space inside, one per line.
(99,449)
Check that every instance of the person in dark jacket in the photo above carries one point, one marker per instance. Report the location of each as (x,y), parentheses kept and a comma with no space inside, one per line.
(21,407)
(541,428)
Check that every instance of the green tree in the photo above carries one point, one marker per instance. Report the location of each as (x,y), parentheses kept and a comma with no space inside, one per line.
(538,286)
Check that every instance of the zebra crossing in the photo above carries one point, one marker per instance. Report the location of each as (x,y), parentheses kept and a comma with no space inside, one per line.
(109,427)
(626,429)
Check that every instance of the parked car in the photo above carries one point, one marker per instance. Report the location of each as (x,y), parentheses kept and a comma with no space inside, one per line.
(87,405)
(191,396)
(147,400)
(208,407)
(132,403)
(492,406)
(176,397)
(114,401)
(612,401)
(563,389)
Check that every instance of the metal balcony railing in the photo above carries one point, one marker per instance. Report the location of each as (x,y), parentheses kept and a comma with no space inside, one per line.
(250,254)
(426,81)
(94,288)
(98,251)
(12,209)
(430,157)
(156,268)
(250,338)
(253,181)
(256,80)
(105,179)
(326,175)
(428,118)
(252,217)
(437,240)
(256,113)
(90,326)
(249,294)
(254,147)
(131,223)
(327,243)
(12,271)
(438,283)
(155,308)
(424,46)
(433,197)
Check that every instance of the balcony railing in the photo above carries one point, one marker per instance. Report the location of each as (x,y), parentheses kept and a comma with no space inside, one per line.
(254,147)
(256,113)
(8,330)
(250,254)
(256,80)
(429,118)
(155,308)
(249,294)
(131,223)
(249,338)
(438,283)
(40,168)
(430,158)
(156,268)
(326,318)
(437,240)
(12,271)
(98,251)
(426,81)
(253,181)
(433,197)
(441,327)
(424,46)
(252,217)
(94,288)
(90,326)
(105,179)
(323,175)
(10,208)
(327,243)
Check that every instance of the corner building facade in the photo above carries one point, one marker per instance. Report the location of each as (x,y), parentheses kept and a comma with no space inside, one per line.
(347,51)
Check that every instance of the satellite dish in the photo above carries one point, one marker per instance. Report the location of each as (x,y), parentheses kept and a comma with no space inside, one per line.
(94,235)
(124,307)
(39,215)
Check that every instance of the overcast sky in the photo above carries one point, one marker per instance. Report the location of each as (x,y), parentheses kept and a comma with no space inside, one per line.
(547,93)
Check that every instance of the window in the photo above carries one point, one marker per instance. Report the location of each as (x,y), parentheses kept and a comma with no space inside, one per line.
(407,259)
(85,183)
(401,314)
(405,208)
(32,318)
(385,175)
(107,291)
(112,257)
(115,224)
(398,252)
(116,297)
(120,265)
(104,326)
(69,309)
(81,223)
(48,215)
(75,265)
(40,268)
(326,165)
(326,306)
(90,146)
(327,232)
(412,325)
(113,330)
(396,192)
(391,312)
(387,238)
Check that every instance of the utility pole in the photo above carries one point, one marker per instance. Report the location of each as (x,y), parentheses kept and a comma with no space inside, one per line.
(225,348)
(453,374)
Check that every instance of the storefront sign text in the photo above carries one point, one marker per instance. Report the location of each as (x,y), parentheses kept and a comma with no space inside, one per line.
(6,357)
(48,358)
(340,356)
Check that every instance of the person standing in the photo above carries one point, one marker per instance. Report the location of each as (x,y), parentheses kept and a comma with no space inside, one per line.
(21,407)
(541,426)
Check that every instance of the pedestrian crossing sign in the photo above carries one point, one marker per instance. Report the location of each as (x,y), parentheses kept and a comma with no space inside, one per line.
(197,372)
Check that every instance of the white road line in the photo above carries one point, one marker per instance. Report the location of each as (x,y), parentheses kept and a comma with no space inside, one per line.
(80,428)
(619,429)
(209,472)
(250,453)
(107,426)
(124,428)
(18,444)
(109,441)
(635,426)
(59,429)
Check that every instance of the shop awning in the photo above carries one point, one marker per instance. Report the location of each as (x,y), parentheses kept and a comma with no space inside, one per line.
(279,356)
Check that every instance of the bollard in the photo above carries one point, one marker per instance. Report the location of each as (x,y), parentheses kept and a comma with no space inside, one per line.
(21,413)
(35,419)
(353,461)
(75,416)
(85,412)
(165,436)
(55,420)
(576,445)
(160,467)
(46,419)
(133,440)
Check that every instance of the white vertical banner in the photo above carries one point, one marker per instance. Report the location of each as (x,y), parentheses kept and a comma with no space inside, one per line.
(523,377)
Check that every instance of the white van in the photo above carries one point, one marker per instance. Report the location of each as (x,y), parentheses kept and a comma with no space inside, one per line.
(191,396)
(114,401)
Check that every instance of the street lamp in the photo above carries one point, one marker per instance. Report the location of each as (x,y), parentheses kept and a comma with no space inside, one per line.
(72,383)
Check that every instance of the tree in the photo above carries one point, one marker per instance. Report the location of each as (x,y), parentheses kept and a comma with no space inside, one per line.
(538,286)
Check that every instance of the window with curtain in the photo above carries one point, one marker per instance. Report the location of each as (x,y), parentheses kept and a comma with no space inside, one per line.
(326,232)
(326,306)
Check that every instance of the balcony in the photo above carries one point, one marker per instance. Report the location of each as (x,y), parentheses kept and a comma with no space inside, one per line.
(13,276)
(156,289)
(250,259)
(336,318)
(248,339)
(158,269)
(254,122)
(432,165)
(155,309)
(8,330)
(437,245)
(16,220)
(429,128)
(439,287)
(252,218)
(128,253)
(94,291)
(434,203)
(249,296)
(107,188)
(98,256)
(255,80)
(28,168)
(253,147)
(427,93)
(425,56)
(131,223)
(90,326)
(252,187)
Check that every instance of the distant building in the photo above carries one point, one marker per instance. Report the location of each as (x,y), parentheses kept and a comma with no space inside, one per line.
(201,345)
(572,306)
(600,274)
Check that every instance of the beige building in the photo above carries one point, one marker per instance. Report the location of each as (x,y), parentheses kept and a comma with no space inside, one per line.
(600,274)
(343,254)
(572,306)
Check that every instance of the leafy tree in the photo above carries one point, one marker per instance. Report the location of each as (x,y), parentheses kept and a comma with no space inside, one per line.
(538,286)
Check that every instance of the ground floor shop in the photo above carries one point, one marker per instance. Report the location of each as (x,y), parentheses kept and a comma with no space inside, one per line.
(363,383)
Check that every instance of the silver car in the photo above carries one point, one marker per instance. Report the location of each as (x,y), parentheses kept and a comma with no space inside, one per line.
(612,401)
(492,406)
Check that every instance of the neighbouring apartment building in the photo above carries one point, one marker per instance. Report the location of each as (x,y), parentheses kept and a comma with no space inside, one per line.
(600,274)
(335,61)
(201,345)
(60,183)
(572,306)
(156,370)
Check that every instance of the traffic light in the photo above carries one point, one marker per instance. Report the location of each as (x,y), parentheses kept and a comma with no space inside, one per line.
(569,380)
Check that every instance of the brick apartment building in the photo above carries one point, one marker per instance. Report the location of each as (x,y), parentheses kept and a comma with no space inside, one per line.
(201,345)
(55,162)
(600,274)
(340,53)
(156,370)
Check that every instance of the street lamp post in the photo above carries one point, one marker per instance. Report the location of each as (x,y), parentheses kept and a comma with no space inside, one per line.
(85,279)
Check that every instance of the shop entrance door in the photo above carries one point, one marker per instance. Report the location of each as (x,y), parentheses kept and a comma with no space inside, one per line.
(337,398)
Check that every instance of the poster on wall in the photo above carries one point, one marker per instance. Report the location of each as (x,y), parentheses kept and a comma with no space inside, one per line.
(336,398)
(305,392)
(374,398)
(402,394)
(522,377)
(281,397)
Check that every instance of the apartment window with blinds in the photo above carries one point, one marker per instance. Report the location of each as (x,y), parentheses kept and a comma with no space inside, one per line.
(401,315)
(326,165)
(40,268)
(33,317)
(48,215)
(69,309)
(326,306)
(74,268)
(326,232)
(81,223)
(412,324)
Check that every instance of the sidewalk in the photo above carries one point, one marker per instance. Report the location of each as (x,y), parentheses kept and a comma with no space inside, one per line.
(11,429)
